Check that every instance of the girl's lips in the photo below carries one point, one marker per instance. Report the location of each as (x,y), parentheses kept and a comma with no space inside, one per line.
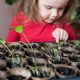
(52,19)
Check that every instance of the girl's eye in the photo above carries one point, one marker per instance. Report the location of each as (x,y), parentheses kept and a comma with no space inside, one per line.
(61,8)
(47,7)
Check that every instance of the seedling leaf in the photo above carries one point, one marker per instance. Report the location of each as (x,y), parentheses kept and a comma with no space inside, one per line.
(19,29)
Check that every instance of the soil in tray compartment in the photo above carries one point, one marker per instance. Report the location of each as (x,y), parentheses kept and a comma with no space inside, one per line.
(2,64)
(68,50)
(14,77)
(2,48)
(34,53)
(2,55)
(65,71)
(76,44)
(35,45)
(78,66)
(15,45)
(61,61)
(67,53)
(75,58)
(37,61)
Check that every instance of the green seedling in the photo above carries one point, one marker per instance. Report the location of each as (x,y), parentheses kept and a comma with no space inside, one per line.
(77,43)
(52,53)
(19,29)
(40,73)
(56,55)
(61,43)
(16,61)
(2,41)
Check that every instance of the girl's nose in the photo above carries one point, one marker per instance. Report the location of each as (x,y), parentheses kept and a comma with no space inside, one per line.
(54,13)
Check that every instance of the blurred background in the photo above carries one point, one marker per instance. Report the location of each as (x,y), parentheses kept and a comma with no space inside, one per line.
(8,9)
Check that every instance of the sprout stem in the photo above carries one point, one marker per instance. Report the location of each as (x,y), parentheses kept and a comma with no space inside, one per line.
(6,47)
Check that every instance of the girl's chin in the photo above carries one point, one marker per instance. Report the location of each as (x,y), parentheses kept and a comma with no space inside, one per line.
(48,21)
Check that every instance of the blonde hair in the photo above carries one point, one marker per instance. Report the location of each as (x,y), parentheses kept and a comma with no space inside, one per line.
(30,8)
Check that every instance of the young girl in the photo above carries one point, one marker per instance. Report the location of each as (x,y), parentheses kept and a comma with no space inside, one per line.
(43,21)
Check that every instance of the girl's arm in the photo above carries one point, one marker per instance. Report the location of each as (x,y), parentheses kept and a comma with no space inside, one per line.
(13,36)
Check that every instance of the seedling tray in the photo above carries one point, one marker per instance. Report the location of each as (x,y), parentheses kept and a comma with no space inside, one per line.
(43,61)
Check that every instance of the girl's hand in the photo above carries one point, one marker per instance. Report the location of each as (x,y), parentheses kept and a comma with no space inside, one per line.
(60,34)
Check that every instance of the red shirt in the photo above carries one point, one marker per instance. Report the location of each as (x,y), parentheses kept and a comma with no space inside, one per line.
(35,32)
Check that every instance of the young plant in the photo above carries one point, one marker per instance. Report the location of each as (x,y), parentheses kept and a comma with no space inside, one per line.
(61,43)
(19,29)
(76,43)
(56,55)
(52,53)
(37,72)
(16,61)
(2,41)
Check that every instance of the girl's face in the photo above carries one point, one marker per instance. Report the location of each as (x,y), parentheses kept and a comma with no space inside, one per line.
(51,10)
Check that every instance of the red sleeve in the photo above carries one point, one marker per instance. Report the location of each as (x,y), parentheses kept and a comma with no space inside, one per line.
(71,32)
(13,36)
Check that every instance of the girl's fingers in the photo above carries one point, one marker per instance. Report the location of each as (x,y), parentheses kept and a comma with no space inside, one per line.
(58,36)
(61,34)
(57,40)
(55,34)
(66,37)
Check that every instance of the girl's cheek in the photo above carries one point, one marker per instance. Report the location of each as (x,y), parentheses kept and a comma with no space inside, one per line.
(45,14)
(60,14)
